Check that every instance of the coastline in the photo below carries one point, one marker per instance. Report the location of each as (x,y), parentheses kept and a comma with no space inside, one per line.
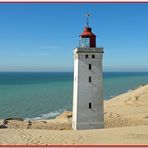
(21,93)
(125,117)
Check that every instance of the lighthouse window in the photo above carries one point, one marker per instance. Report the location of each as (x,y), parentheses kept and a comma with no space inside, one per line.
(86,56)
(93,56)
(84,42)
(89,79)
(89,66)
(90,105)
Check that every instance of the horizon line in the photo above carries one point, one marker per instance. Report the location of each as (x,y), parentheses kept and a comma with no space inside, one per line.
(63,71)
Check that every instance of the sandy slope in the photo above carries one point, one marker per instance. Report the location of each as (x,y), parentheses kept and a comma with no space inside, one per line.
(132,107)
(126,122)
(125,135)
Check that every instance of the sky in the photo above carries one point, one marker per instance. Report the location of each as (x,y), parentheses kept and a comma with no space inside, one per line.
(41,37)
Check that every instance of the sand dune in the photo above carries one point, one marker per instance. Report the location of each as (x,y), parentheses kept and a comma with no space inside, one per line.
(126,122)
(132,106)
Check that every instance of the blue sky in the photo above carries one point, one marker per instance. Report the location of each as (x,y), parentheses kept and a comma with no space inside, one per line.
(41,37)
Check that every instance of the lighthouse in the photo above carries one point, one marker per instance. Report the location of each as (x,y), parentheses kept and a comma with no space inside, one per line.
(88,112)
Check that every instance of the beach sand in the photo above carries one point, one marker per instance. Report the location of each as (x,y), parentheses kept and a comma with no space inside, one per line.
(126,122)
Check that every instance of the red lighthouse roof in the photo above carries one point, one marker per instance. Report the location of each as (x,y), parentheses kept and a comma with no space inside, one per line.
(87,32)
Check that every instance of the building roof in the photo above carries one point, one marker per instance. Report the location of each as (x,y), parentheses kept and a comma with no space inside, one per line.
(87,32)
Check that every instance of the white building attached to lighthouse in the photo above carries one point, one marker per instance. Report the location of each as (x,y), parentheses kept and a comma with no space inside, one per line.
(88,112)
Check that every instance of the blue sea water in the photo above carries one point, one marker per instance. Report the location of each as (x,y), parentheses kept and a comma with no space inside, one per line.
(43,95)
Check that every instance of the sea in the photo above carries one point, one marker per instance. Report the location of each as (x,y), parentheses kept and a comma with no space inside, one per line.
(45,95)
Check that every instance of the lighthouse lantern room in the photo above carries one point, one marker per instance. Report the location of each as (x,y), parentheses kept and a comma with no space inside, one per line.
(87,38)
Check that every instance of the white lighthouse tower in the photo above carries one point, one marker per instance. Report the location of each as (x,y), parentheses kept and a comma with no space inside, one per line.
(88,110)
